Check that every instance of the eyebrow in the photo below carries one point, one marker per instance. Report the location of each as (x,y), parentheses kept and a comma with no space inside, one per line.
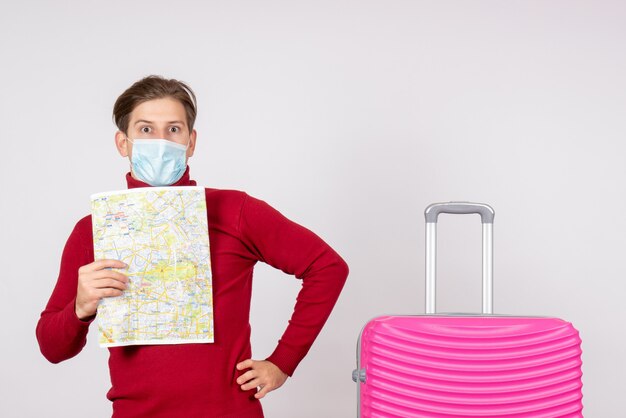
(150,122)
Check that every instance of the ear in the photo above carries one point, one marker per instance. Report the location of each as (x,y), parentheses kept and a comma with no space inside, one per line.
(121,143)
(192,143)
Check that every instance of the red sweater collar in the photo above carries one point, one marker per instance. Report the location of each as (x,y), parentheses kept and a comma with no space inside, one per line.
(183,181)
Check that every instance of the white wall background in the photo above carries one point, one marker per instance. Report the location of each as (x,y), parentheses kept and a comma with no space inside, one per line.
(350,117)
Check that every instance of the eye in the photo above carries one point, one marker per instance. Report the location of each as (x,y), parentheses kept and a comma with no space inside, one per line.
(145,129)
(174,129)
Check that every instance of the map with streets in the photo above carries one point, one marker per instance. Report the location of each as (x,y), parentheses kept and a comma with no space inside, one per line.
(161,233)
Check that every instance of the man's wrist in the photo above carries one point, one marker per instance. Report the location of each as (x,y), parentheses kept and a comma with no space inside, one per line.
(82,315)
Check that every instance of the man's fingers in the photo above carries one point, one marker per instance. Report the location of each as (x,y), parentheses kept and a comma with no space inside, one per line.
(246,364)
(97,280)
(104,283)
(264,375)
(109,292)
(99,275)
(254,383)
(108,263)
(94,295)
(249,375)
(264,391)
(101,269)
(109,274)
(102,264)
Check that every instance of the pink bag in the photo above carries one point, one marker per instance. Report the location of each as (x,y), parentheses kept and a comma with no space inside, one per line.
(453,365)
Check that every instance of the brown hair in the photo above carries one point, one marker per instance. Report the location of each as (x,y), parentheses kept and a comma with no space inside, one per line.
(150,88)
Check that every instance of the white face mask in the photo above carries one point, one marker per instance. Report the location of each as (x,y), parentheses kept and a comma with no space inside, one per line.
(158,162)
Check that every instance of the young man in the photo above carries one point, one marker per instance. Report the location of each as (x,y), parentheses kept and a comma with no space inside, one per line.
(155,119)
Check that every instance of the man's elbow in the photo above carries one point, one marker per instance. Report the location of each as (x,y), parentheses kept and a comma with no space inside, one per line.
(49,353)
(48,348)
(54,355)
(346,269)
(342,270)
(51,357)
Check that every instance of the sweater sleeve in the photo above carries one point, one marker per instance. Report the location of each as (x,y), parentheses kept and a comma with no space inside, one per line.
(295,250)
(61,335)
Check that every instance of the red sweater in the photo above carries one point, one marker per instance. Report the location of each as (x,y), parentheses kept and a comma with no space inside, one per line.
(198,380)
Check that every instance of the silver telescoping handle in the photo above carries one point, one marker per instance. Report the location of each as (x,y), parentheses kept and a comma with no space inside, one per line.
(487,214)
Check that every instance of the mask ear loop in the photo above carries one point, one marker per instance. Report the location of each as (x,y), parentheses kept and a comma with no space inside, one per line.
(188,143)
(127,139)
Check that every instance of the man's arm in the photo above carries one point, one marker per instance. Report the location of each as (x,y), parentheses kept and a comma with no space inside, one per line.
(61,335)
(295,250)
(63,325)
